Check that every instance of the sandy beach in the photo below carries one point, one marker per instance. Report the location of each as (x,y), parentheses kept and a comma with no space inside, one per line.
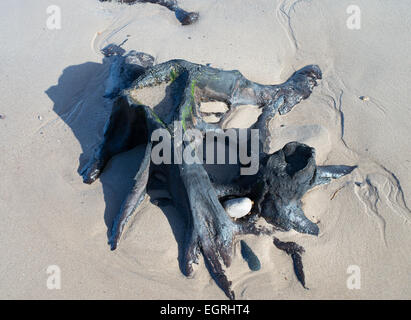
(52,116)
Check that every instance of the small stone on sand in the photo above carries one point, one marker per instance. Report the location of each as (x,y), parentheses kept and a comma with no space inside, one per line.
(238,208)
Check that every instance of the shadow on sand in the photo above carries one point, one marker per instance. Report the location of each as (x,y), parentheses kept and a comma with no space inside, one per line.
(79,102)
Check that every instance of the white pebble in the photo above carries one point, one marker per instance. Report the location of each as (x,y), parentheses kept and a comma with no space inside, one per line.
(238,208)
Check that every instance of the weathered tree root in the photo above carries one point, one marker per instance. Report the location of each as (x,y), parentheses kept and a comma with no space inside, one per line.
(295,251)
(277,188)
(183,16)
(282,180)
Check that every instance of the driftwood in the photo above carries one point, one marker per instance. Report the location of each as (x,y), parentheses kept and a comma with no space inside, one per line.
(183,16)
(276,189)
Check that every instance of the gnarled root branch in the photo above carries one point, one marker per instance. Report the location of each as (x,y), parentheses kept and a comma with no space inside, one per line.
(183,16)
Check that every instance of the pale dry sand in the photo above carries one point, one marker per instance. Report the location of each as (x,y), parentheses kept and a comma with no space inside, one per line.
(51,95)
